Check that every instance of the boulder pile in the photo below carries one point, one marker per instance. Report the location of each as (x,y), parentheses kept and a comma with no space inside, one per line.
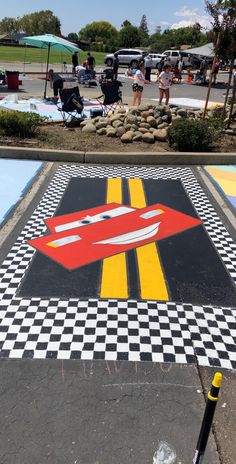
(147,123)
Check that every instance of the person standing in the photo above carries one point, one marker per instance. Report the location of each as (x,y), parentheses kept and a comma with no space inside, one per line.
(216,70)
(203,69)
(75,62)
(91,61)
(161,64)
(139,81)
(148,67)
(180,69)
(165,81)
(115,67)
(56,82)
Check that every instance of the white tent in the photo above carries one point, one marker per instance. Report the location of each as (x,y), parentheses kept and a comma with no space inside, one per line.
(206,50)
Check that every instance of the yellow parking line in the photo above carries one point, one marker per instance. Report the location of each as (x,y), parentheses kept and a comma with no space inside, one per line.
(114,272)
(152,280)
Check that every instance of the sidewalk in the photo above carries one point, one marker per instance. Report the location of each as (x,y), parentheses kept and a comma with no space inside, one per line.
(97,412)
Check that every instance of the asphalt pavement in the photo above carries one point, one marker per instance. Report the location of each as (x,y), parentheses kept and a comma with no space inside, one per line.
(33,86)
(98,365)
(92,377)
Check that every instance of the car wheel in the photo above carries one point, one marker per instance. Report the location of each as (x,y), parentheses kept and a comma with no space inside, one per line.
(134,63)
(109,62)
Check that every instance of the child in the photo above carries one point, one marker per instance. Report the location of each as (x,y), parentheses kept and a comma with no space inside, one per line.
(165,80)
(139,81)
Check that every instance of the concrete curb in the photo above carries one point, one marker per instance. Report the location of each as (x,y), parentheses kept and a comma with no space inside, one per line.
(167,158)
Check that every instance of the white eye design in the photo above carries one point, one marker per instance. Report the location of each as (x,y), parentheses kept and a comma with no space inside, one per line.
(112,213)
(151,214)
(64,241)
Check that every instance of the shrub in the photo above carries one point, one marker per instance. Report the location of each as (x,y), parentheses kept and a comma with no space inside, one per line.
(192,134)
(19,124)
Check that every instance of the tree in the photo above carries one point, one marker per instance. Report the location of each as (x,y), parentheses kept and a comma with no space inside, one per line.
(99,31)
(223,15)
(130,36)
(143,26)
(190,35)
(41,22)
(73,37)
(126,23)
(10,25)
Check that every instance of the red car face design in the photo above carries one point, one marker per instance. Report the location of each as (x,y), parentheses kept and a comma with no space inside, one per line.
(80,238)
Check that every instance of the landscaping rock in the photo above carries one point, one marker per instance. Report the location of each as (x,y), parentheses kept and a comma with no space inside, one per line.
(161,135)
(100,125)
(117,124)
(138,136)
(166,118)
(158,121)
(120,131)
(144,107)
(148,138)
(163,125)
(102,131)
(121,110)
(127,127)
(145,124)
(145,114)
(152,121)
(183,113)
(127,137)
(151,112)
(111,132)
(89,128)
(143,130)
(116,117)
(131,119)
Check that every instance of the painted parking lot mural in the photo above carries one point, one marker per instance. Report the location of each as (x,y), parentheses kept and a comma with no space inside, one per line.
(15,178)
(121,263)
(225,178)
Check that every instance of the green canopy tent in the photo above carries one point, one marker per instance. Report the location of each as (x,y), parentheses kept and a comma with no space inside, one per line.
(50,42)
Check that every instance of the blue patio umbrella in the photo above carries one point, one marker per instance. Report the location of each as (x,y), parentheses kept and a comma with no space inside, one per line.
(50,42)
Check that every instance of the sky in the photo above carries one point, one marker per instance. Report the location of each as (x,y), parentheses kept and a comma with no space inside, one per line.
(75,14)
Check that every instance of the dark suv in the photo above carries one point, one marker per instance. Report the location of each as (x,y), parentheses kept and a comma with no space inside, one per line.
(126,56)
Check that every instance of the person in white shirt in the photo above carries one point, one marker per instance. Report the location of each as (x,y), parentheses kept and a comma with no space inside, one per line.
(139,81)
(165,81)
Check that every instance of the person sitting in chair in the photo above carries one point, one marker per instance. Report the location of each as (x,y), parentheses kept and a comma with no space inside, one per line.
(56,82)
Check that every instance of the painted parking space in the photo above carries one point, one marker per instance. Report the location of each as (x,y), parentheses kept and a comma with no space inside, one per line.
(225,179)
(15,177)
(131,263)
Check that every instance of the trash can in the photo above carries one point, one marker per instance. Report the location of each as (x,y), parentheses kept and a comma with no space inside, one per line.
(12,80)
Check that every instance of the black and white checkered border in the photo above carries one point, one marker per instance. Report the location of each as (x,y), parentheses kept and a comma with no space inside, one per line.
(116,330)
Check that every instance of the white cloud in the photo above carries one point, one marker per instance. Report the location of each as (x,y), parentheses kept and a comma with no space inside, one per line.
(191,17)
(164,23)
(185,12)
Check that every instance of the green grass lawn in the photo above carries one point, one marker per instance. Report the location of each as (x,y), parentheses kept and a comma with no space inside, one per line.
(37,55)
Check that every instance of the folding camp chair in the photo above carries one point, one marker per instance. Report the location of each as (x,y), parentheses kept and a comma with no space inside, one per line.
(112,96)
(71,106)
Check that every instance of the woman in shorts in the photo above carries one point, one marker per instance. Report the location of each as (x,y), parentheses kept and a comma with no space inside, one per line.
(165,79)
(139,81)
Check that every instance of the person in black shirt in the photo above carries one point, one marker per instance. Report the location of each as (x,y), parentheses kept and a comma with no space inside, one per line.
(75,62)
(56,82)
(91,61)
(115,67)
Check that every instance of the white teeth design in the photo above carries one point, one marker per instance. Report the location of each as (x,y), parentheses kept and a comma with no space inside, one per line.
(132,237)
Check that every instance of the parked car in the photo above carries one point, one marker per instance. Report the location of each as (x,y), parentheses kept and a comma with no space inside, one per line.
(156,58)
(174,56)
(126,56)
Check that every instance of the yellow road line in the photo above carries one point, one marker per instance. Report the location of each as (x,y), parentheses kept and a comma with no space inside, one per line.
(114,272)
(152,281)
